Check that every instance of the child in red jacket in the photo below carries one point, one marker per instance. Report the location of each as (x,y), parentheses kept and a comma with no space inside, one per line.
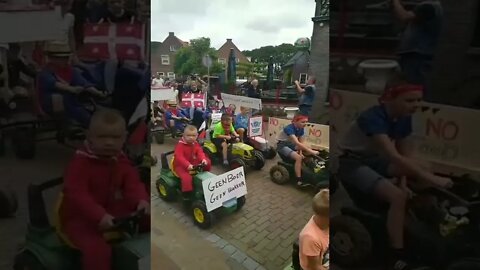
(188,153)
(100,184)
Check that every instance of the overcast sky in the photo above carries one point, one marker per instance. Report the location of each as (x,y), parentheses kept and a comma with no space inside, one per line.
(250,23)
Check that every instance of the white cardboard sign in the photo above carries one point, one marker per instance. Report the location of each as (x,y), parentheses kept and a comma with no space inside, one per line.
(162,93)
(255,126)
(224,187)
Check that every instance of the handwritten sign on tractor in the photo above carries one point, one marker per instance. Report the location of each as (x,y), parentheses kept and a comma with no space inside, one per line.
(255,128)
(316,135)
(222,188)
(444,135)
(216,117)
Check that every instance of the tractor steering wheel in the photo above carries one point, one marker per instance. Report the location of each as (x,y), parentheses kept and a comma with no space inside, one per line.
(129,224)
(199,167)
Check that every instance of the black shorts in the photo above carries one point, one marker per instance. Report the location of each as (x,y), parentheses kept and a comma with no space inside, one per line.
(218,143)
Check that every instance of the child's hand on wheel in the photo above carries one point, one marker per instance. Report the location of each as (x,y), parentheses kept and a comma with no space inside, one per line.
(145,206)
(190,167)
(106,222)
(204,162)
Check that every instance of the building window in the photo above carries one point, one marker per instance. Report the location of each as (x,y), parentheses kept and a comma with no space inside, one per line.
(222,61)
(161,73)
(165,59)
(237,60)
(172,48)
(303,78)
(171,75)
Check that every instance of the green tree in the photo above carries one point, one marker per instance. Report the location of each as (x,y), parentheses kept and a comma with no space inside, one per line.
(281,54)
(189,59)
(251,70)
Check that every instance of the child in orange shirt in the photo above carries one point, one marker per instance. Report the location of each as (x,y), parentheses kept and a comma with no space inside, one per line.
(314,238)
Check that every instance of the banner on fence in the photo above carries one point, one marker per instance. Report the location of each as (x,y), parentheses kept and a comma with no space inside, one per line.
(316,135)
(158,93)
(238,101)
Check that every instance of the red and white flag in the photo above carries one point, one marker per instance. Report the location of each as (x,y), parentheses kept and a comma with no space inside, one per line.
(193,100)
(123,41)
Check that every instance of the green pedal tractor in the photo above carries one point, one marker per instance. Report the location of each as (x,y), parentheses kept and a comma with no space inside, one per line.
(239,154)
(46,248)
(169,189)
(314,171)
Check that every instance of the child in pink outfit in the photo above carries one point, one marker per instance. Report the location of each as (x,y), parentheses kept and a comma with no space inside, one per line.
(314,238)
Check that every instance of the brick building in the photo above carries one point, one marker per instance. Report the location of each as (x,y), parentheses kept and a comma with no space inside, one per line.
(224,53)
(163,55)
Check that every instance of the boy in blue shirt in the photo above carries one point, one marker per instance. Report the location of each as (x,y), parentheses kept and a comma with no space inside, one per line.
(241,123)
(375,149)
(291,144)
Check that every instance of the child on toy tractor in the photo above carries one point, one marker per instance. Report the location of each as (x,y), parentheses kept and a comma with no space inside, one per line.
(175,117)
(223,135)
(100,185)
(376,148)
(188,154)
(291,144)
(241,123)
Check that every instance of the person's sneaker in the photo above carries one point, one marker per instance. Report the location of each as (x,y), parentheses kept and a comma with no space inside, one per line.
(302,184)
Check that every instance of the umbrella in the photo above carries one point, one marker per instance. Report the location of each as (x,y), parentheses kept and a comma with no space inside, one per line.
(232,67)
(270,73)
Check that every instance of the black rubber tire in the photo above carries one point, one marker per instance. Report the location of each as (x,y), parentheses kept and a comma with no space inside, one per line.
(358,236)
(23,142)
(209,218)
(240,203)
(170,194)
(282,178)
(270,153)
(465,264)
(8,203)
(237,163)
(259,160)
(26,260)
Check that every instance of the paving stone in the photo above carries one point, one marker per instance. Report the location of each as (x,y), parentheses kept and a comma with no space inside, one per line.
(250,264)
(229,249)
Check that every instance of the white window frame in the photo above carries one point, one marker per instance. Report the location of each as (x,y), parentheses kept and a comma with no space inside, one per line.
(171,75)
(161,73)
(305,75)
(222,61)
(165,59)
(172,48)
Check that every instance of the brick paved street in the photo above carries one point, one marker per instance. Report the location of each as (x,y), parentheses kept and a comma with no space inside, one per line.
(264,230)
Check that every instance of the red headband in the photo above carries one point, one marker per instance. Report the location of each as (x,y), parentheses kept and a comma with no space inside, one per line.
(300,118)
(394,92)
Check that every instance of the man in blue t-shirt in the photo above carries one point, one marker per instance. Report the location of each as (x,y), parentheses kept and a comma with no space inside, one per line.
(307,96)
(419,40)
(376,149)
(291,144)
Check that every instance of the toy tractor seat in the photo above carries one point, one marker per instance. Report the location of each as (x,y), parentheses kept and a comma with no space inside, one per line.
(57,224)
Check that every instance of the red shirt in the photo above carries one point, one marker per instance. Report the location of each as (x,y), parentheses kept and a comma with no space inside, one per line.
(188,154)
(95,186)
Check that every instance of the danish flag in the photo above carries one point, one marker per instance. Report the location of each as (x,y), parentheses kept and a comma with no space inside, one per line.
(193,100)
(123,41)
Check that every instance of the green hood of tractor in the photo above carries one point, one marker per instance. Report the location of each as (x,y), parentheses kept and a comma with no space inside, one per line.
(128,254)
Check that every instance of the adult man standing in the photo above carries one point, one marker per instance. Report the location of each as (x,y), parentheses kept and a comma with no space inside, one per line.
(307,96)
(419,39)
